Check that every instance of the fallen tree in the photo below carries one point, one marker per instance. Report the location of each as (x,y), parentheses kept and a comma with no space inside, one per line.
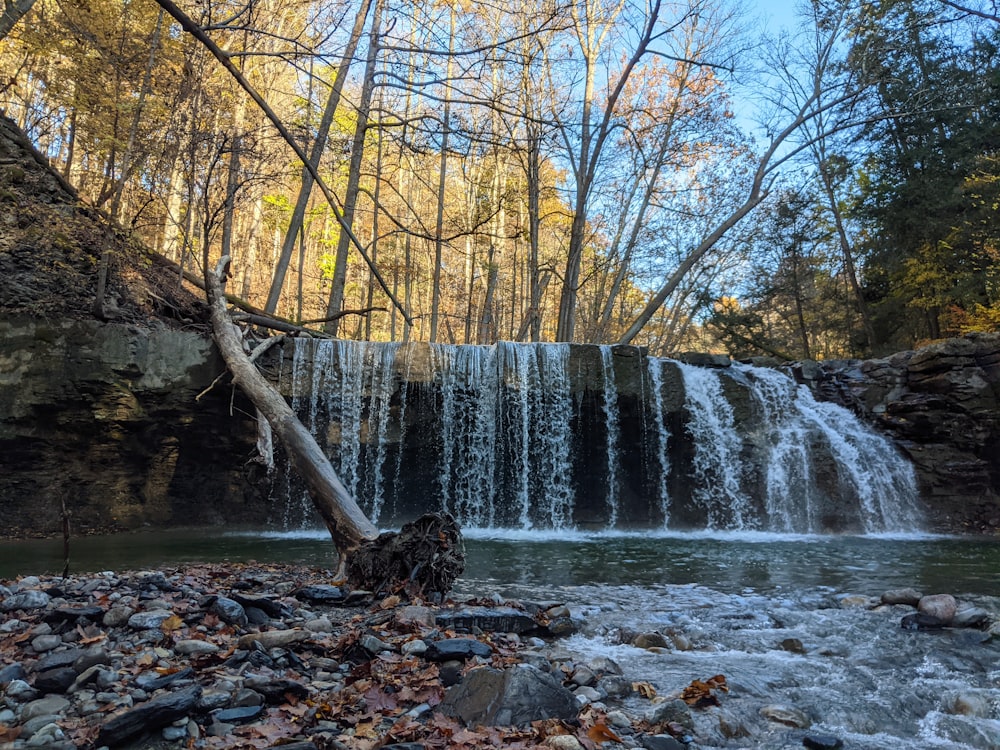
(423,559)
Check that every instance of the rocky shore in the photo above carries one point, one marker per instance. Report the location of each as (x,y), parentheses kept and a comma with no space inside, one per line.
(261,656)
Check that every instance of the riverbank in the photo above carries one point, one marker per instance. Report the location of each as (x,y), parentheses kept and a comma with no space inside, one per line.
(253,656)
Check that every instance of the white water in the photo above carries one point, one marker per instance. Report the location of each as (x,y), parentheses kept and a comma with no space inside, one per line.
(499,445)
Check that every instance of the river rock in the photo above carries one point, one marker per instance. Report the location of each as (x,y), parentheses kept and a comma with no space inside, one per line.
(456,649)
(321,594)
(921,621)
(42,643)
(48,706)
(269,607)
(57,680)
(650,640)
(58,659)
(150,620)
(486,619)
(673,711)
(661,742)
(515,696)
(151,681)
(11,672)
(117,616)
(229,611)
(195,647)
(563,742)
(822,742)
(274,638)
(968,704)
(787,715)
(909,597)
(75,614)
(26,600)
(19,690)
(239,714)
(969,616)
(152,714)
(941,606)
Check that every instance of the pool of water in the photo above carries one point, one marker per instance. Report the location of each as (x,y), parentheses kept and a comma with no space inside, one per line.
(728,602)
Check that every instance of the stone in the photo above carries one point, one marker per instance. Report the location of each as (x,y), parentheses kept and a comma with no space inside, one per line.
(47,734)
(277,690)
(151,681)
(172,734)
(615,686)
(374,645)
(321,594)
(969,616)
(585,695)
(19,690)
(239,714)
(661,742)
(195,647)
(149,620)
(941,606)
(968,704)
(319,625)
(673,711)
(57,680)
(42,643)
(456,648)
(90,657)
(153,714)
(901,596)
(58,659)
(921,621)
(229,611)
(787,715)
(487,620)
(822,742)
(75,614)
(117,616)
(26,600)
(856,601)
(793,646)
(514,696)
(11,672)
(269,607)
(50,705)
(583,676)
(274,638)
(563,742)
(414,614)
(414,647)
(559,627)
(650,640)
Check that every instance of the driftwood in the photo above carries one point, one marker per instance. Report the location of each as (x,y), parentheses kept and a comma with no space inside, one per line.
(423,559)
(348,525)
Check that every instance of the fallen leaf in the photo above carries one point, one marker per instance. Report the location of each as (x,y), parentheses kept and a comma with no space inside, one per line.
(645,689)
(171,624)
(601,732)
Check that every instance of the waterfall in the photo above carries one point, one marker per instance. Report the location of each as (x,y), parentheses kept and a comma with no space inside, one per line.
(557,436)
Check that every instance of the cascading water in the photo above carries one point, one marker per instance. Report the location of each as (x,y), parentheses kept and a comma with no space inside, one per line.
(553,436)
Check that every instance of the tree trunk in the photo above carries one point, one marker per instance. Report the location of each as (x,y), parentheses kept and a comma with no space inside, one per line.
(348,525)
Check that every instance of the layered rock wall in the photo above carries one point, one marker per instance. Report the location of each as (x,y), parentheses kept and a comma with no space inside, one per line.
(941,404)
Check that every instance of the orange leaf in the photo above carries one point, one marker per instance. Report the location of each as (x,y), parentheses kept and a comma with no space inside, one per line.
(645,689)
(601,732)
(172,623)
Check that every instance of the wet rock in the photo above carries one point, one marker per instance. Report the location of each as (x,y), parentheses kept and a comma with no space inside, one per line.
(560,627)
(615,686)
(968,616)
(515,696)
(152,714)
(583,676)
(787,715)
(149,620)
(856,601)
(57,680)
(321,594)
(229,611)
(941,606)
(650,640)
(671,712)
(239,714)
(909,597)
(921,621)
(456,648)
(269,607)
(373,645)
(968,704)
(732,726)
(26,600)
(822,742)
(793,646)
(487,620)
(661,742)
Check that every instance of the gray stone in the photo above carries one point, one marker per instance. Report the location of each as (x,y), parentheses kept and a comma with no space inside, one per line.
(661,742)
(195,647)
(671,712)
(822,742)
(486,619)
(65,658)
(456,648)
(11,672)
(319,625)
(941,606)
(152,681)
(238,714)
(414,647)
(19,690)
(563,742)
(57,680)
(374,645)
(117,616)
(277,690)
(901,596)
(153,714)
(172,734)
(46,735)
(150,620)
(969,616)
(229,611)
(51,705)
(514,696)
(26,600)
(274,638)
(321,594)
(787,715)
(920,621)
(213,699)
(42,643)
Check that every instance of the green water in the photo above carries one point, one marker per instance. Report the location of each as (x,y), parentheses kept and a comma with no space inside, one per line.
(761,562)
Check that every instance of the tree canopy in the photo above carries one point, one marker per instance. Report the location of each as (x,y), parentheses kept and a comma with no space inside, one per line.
(668,174)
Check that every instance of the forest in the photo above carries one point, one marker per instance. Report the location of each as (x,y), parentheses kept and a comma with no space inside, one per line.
(679,175)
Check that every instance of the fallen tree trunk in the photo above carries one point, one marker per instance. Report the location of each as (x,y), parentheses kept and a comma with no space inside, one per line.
(348,525)
(423,559)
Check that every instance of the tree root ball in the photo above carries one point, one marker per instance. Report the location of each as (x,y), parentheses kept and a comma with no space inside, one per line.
(421,560)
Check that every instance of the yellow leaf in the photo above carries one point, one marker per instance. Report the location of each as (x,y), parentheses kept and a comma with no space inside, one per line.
(172,623)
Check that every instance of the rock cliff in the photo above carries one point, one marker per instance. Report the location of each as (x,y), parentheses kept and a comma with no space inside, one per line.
(941,404)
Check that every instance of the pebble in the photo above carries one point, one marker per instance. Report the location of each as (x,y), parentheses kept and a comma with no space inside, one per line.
(26,600)
(149,620)
(195,647)
(563,742)
(941,606)
(787,715)
(42,643)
